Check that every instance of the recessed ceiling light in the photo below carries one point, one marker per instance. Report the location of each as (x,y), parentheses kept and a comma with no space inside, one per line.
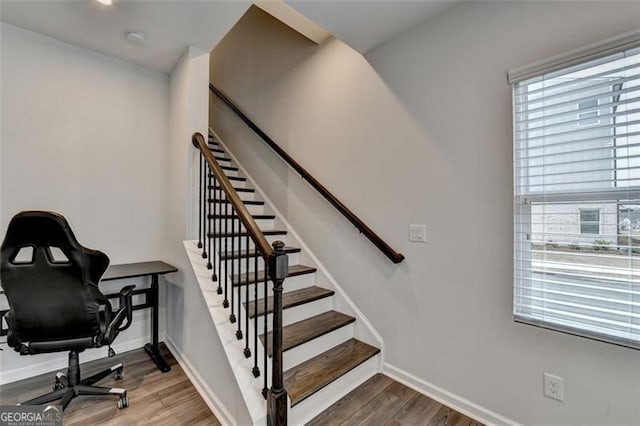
(105,2)
(134,37)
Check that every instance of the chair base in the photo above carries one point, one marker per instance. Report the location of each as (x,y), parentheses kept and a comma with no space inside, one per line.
(67,387)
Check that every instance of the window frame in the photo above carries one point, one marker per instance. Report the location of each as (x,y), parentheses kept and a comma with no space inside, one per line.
(524,200)
(581,222)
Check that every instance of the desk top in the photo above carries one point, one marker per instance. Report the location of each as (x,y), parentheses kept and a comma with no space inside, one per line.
(142,269)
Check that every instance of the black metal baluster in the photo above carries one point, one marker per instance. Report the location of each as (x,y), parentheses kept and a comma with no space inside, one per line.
(225,303)
(200,189)
(247,351)
(234,280)
(256,370)
(214,230)
(219,240)
(203,214)
(265,389)
(240,280)
(211,233)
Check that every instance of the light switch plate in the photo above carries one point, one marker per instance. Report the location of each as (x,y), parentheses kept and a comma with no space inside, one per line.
(418,233)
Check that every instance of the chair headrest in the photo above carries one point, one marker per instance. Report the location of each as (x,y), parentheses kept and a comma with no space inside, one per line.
(39,228)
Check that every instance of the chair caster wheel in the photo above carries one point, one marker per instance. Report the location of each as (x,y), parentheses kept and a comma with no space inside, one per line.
(119,374)
(61,382)
(123,402)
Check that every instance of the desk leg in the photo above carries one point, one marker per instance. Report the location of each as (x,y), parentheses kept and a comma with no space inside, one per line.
(152,348)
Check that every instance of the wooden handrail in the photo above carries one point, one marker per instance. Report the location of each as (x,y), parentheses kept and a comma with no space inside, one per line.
(245,217)
(344,210)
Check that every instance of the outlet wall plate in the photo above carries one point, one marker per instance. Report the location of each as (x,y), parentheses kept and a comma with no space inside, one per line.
(553,387)
(418,233)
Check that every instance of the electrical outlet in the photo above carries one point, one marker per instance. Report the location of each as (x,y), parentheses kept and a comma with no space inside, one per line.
(553,387)
(418,233)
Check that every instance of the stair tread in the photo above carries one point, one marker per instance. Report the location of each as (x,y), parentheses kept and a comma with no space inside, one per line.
(225,159)
(225,201)
(244,234)
(236,189)
(291,299)
(238,178)
(296,334)
(307,378)
(233,169)
(254,216)
(218,150)
(294,270)
(252,253)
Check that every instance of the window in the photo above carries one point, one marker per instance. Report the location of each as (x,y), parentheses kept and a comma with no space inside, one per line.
(577,194)
(589,221)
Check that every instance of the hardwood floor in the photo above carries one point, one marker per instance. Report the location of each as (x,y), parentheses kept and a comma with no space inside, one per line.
(170,399)
(383,401)
(154,398)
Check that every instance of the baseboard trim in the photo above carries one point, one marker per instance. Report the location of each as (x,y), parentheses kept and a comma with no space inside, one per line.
(61,362)
(205,391)
(447,398)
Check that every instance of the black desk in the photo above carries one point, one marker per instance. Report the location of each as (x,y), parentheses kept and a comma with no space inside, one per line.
(137,270)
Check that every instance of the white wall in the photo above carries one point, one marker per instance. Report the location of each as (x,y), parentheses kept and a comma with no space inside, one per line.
(85,135)
(190,330)
(421,133)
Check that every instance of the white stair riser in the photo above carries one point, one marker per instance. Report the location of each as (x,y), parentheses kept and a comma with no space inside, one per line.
(290,284)
(294,259)
(239,183)
(253,209)
(263,224)
(321,400)
(230,172)
(315,347)
(239,243)
(243,196)
(299,313)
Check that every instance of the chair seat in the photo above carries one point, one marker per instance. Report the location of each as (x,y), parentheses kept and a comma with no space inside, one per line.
(78,344)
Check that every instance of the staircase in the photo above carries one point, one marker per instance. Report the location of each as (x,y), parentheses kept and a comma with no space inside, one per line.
(328,348)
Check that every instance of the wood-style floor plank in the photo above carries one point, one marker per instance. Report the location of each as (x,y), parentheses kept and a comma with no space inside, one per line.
(154,397)
(419,411)
(383,406)
(343,409)
(383,401)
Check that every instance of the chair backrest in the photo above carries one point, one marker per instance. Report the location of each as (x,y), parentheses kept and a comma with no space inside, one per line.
(50,280)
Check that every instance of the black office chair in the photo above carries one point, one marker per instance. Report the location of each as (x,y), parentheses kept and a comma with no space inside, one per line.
(51,283)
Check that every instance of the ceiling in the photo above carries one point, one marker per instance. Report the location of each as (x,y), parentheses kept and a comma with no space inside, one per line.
(169,25)
(366,24)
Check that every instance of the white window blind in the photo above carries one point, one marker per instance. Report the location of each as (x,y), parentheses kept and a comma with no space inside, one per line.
(577,198)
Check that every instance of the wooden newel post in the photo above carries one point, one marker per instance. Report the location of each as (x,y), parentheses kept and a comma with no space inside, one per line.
(277,398)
